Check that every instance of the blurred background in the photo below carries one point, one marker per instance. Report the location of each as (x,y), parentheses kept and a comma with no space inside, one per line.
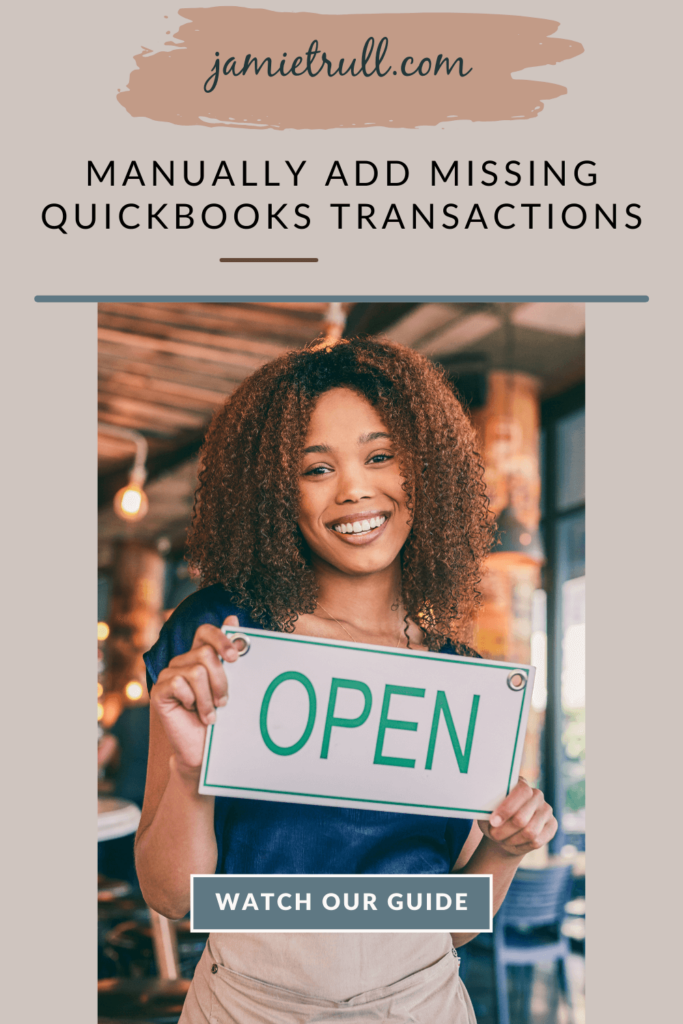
(519,369)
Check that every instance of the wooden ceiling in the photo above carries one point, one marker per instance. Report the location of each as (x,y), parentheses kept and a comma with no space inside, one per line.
(164,368)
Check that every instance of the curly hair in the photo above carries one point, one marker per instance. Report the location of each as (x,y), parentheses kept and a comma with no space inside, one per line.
(244,533)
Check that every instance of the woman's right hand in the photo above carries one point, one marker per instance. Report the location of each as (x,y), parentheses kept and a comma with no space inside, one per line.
(187,693)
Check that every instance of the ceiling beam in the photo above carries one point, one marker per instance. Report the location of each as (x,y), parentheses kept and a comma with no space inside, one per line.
(300,320)
(152,412)
(152,386)
(233,340)
(168,366)
(208,353)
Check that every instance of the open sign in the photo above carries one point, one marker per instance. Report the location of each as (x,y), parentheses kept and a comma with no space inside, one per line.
(335,723)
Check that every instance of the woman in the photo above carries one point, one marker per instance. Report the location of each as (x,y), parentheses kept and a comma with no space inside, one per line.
(340,496)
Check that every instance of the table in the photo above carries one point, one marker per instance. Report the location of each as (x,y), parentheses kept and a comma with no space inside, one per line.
(116,818)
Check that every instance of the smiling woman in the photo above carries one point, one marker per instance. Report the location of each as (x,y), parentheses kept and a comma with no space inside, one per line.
(334,435)
(341,496)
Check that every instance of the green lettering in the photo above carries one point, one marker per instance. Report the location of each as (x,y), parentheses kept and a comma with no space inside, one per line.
(344,723)
(389,723)
(441,706)
(263,718)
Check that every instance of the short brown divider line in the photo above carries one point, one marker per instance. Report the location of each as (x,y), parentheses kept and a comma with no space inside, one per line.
(268,259)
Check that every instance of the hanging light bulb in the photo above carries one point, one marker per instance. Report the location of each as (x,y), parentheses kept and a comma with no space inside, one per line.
(517,539)
(130,502)
(134,690)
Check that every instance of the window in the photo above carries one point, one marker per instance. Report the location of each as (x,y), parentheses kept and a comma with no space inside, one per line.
(563,466)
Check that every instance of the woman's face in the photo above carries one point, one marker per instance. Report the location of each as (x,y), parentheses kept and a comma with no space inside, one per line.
(353,511)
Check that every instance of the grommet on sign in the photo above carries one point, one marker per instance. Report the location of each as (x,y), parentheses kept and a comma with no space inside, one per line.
(517,680)
(232,637)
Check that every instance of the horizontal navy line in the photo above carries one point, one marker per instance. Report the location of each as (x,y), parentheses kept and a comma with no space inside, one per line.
(342,298)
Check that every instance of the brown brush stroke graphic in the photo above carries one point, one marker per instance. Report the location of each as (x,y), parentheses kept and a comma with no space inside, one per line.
(169,85)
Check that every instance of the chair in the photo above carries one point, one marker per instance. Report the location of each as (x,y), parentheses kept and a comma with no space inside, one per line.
(527,931)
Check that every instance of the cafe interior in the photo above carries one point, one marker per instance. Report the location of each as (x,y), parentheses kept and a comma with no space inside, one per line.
(164,368)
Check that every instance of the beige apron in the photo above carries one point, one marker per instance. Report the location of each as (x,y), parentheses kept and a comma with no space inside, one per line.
(221,995)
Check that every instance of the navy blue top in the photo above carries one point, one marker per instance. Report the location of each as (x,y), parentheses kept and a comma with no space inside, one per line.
(266,837)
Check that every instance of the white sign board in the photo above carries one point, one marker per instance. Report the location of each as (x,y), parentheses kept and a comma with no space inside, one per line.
(355,725)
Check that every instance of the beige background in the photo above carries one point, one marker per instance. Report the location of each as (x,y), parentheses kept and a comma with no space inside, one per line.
(609,115)
(63,66)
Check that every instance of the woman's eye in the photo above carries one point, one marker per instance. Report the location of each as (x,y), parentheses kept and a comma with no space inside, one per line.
(317,471)
(381,457)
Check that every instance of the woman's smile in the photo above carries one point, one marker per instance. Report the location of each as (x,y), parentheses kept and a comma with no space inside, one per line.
(360,527)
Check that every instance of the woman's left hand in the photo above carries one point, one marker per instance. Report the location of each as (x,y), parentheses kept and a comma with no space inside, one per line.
(522,822)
